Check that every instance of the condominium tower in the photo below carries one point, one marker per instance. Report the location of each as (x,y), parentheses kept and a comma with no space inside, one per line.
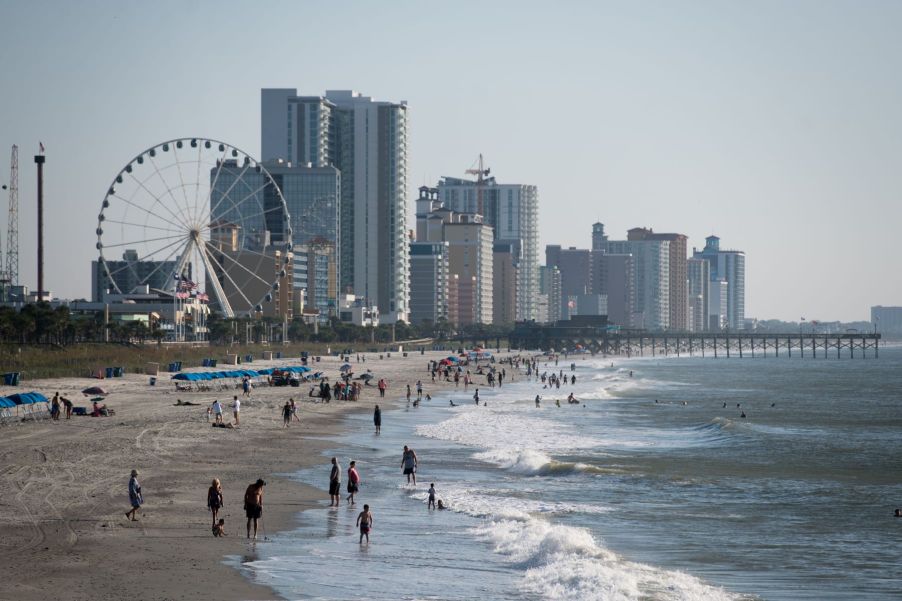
(728,266)
(366,140)
(511,210)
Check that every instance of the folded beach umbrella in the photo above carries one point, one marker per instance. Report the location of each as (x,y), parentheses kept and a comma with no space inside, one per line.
(96,390)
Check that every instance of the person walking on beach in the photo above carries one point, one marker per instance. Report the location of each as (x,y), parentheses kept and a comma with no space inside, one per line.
(353,482)
(476,396)
(134,496)
(253,505)
(419,390)
(377,419)
(408,393)
(382,386)
(246,386)
(365,521)
(286,414)
(335,484)
(214,498)
(236,407)
(294,409)
(538,400)
(409,464)
(431,504)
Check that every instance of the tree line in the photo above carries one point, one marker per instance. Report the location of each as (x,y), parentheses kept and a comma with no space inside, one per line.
(41,323)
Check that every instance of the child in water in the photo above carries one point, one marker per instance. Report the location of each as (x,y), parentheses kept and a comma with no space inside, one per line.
(365,521)
(431,504)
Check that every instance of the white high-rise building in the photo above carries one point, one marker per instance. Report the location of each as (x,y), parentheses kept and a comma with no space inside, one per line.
(651,260)
(727,265)
(512,210)
(367,141)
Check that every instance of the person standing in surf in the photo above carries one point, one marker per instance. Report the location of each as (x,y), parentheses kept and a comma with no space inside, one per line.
(253,505)
(365,521)
(377,419)
(409,464)
(353,482)
(335,484)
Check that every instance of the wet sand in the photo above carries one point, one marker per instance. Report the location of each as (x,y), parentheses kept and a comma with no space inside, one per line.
(63,485)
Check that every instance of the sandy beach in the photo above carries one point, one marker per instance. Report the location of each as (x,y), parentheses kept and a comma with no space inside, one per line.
(63,484)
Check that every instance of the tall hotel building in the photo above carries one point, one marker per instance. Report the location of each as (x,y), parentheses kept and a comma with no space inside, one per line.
(512,211)
(727,266)
(366,140)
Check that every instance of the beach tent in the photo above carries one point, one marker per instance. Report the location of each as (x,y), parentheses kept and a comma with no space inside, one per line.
(6,403)
(27,398)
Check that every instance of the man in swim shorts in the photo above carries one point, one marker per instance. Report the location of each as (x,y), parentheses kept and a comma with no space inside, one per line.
(365,521)
(409,464)
(253,505)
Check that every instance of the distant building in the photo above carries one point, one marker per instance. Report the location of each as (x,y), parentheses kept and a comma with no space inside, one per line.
(729,266)
(470,256)
(586,304)
(131,274)
(355,310)
(575,266)
(651,260)
(247,278)
(719,305)
(677,308)
(614,276)
(312,196)
(888,320)
(315,278)
(550,291)
(598,237)
(366,140)
(428,282)
(699,289)
(511,210)
(504,283)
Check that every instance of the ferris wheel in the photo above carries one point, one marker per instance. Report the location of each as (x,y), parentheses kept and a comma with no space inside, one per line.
(195,217)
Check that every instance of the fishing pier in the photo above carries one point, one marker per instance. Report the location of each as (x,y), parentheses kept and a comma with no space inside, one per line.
(637,343)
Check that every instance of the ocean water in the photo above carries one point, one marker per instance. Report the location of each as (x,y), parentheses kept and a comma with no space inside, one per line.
(652,488)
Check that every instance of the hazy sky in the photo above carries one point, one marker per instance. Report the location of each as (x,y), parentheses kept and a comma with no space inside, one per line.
(775,125)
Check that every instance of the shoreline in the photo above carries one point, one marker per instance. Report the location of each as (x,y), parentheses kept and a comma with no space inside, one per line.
(63,484)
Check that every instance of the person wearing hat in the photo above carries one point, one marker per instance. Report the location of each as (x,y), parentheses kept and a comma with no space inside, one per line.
(134,496)
(253,505)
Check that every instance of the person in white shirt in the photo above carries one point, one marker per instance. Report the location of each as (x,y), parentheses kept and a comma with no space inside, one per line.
(217,411)
(236,407)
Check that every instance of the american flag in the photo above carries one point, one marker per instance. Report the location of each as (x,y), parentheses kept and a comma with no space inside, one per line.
(184,284)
